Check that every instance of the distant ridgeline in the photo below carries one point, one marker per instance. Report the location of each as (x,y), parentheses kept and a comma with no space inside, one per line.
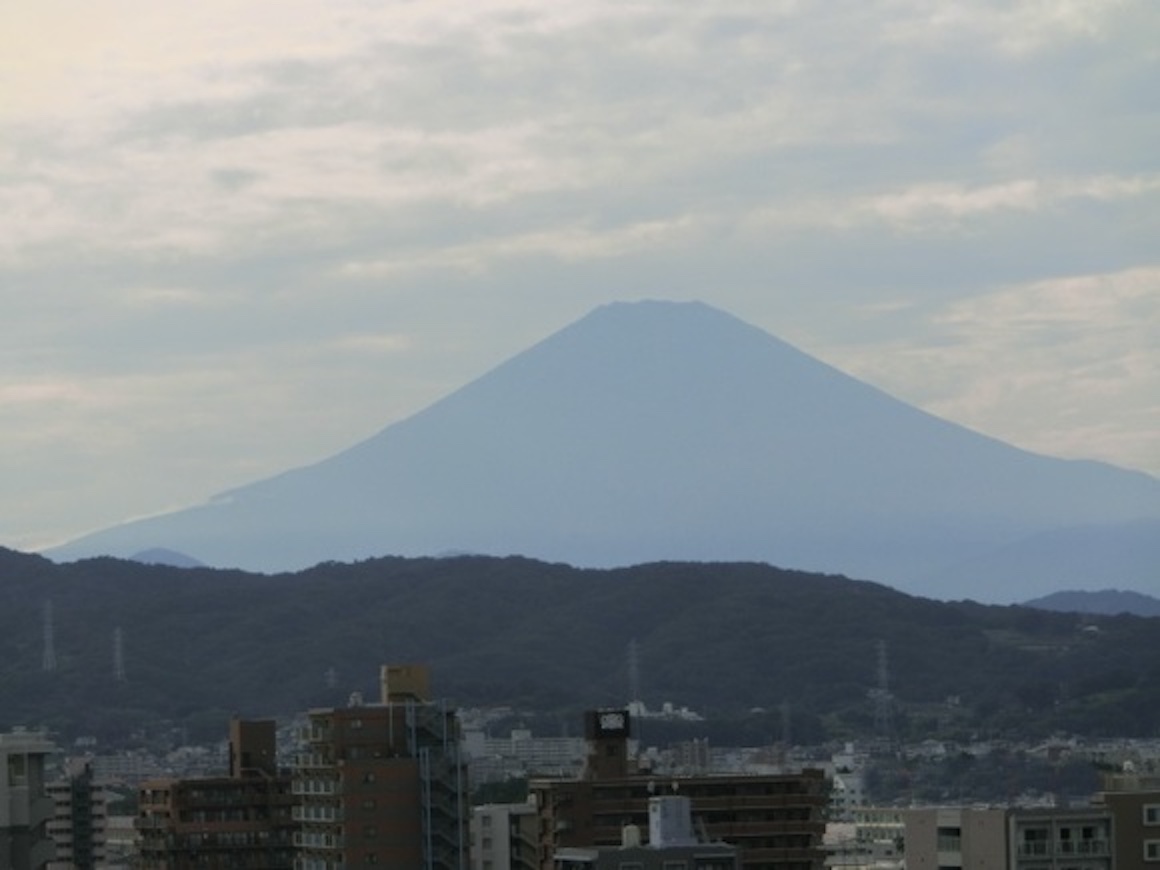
(105,647)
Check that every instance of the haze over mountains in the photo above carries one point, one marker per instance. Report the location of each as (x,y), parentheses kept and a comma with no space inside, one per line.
(668,431)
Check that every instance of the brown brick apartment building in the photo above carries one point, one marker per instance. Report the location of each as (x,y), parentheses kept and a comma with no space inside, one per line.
(243,820)
(775,821)
(383,784)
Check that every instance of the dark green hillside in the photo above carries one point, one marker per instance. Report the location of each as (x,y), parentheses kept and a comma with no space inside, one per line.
(200,644)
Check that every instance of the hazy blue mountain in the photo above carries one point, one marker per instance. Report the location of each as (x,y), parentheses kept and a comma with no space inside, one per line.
(660,430)
(1106,602)
(162,556)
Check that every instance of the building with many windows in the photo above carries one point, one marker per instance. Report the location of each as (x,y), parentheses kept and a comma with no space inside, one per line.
(503,837)
(1041,838)
(243,820)
(1134,802)
(776,821)
(79,825)
(25,806)
(383,784)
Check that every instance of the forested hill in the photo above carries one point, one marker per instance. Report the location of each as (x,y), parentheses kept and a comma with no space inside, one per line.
(200,644)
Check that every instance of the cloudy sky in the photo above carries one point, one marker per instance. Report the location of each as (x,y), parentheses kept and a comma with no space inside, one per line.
(236,237)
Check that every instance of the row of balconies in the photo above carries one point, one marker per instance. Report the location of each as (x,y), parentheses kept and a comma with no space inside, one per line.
(317,840)
(313,759)
(313,863)
(315,786)
(1042,848)
(319,813)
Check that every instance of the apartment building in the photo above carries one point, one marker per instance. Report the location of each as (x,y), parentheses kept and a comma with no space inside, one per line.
(79,826)
(242,820)
(776,821)
(25,806)
(383,784)
(503,837)
(1041,838)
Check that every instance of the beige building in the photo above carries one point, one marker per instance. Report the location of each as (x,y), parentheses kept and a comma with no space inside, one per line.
(941,837)
(1049,838)
(503,836)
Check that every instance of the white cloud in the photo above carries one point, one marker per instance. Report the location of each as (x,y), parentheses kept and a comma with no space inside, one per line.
(213,214)
(1066,366)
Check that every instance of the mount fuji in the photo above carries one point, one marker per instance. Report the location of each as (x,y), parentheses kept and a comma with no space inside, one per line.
(674,431)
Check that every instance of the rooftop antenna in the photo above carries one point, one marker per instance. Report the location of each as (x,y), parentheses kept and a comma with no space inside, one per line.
(48,663)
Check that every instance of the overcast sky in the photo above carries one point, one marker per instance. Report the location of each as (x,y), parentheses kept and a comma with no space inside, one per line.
(236,237)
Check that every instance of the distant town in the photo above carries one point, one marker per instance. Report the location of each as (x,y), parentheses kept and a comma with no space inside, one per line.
(404,780)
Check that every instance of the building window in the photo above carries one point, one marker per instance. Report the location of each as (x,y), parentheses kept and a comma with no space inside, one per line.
(950,839)
(1152,850)
(1152,814)
(17,772)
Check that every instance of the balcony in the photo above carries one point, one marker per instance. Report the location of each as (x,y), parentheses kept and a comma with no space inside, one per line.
(1083,847)
(311,813)
(314,787)
(314,840)
(1033,849)
(306,760)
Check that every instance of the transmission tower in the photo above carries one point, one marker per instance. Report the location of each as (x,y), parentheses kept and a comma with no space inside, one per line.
(633,671)
(118,655)
(883,699)
(48,663)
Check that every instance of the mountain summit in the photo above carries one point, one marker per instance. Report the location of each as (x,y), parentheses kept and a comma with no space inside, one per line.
(670,431)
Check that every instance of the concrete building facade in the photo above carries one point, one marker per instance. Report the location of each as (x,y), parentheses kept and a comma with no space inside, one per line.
(79,826)
(25,805)
(1046,838)
(503,836)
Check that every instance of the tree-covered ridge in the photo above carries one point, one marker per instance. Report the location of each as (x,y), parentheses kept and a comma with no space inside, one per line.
(200,644)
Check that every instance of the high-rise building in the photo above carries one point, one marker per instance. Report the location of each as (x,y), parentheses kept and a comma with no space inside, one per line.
(243,820)
(383,784)
(80,822)
(776,821)
(25,807)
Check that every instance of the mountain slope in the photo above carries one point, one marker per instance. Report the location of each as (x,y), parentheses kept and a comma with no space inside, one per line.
(660,431)
(199,644)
